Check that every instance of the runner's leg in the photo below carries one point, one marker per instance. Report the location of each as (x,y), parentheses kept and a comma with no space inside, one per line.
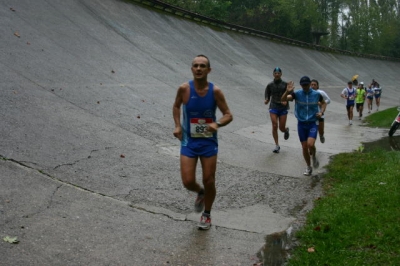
(306,153)
(321,127)
(351,112)
(209,166)
(274,121)
(282,123)
(188,173)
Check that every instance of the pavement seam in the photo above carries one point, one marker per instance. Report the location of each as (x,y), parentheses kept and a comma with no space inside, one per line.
(139,208)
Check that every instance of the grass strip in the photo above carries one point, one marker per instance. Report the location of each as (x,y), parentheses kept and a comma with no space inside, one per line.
(357,222)
(382,119)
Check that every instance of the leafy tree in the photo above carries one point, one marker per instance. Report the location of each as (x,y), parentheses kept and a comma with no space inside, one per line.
(364,26)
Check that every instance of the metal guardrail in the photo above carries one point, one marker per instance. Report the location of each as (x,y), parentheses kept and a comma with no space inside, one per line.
(219,23)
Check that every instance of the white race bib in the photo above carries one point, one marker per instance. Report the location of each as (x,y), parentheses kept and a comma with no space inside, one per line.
(198,127)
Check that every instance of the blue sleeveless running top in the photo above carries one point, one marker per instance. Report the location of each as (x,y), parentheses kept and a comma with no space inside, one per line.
(351,95)
(197,113)
(370,93)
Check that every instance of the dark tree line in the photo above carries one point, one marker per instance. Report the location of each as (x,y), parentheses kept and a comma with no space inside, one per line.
(364,26)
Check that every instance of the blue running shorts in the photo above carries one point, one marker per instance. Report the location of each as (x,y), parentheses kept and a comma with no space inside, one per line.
(349,105)
(193,150)
(307,130)
(278,112)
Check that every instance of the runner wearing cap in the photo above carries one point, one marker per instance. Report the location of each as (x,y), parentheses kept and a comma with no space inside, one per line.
(278,109)
(321,121)
(307,111)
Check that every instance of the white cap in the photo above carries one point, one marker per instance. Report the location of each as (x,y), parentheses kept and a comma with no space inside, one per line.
(362,83)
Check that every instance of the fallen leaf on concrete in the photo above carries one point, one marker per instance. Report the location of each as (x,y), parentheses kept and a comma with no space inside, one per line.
(11,240)
(122,156)
(138,116)
(17,34)
(12,9)
(112,71)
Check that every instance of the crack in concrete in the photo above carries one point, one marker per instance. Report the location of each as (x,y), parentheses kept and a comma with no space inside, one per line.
(76,161)
(62,182)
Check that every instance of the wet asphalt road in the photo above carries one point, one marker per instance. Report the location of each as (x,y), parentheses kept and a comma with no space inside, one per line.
(90,170)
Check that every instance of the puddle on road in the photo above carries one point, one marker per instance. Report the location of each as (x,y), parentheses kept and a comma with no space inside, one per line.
(275,251)
(386,143)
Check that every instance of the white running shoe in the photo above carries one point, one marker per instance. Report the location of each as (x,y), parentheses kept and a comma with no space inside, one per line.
(205,222)
(322,138)
(277,148)
(308,171)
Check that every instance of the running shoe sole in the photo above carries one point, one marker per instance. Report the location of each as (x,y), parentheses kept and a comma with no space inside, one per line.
(287,134)
(204,227)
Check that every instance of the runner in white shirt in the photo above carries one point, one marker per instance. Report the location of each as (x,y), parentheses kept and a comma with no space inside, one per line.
(321,122)
(370,97)
(377,95)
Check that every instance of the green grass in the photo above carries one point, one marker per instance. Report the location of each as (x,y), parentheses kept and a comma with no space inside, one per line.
(357,221)
(382,119)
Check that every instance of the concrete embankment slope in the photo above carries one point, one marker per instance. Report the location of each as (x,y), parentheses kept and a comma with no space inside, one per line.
(90,174)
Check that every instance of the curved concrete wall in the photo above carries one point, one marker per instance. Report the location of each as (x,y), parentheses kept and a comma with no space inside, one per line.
(86,97)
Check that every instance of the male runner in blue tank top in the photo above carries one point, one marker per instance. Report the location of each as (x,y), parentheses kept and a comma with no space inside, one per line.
(198,133)
(307,112)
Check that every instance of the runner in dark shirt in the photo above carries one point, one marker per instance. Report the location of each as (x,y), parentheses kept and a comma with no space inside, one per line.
(278,110)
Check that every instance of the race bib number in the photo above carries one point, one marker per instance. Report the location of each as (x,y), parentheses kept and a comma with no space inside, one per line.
(198,127)
(351,97)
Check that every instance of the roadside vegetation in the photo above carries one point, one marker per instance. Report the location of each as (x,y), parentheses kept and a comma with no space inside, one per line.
(357,221)
(382,118)
(368,27)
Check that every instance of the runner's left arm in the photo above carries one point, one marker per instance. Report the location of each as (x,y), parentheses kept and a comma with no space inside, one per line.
(323,106)
(222,105)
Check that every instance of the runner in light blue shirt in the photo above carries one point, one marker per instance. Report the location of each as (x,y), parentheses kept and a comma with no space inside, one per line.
(307,113)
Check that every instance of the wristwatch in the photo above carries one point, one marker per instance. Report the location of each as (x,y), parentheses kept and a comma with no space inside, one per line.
(219,124)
